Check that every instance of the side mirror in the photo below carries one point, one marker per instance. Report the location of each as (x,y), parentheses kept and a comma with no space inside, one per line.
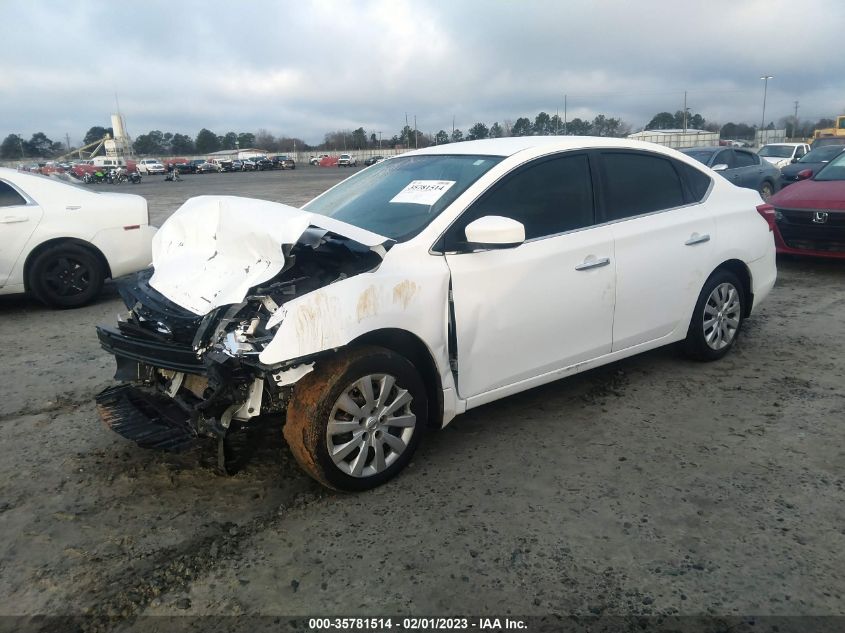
(804,174)
(720,167)
(794,160)
(495,231)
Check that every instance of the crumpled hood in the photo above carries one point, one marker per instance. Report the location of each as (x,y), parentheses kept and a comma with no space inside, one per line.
(213,249)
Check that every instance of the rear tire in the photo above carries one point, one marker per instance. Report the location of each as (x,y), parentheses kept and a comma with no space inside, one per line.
(717,317)
(66,276)
(355,421)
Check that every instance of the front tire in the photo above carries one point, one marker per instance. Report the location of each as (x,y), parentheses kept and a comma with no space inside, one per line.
(767,190)
(717,318)
(66,276)
(355,421)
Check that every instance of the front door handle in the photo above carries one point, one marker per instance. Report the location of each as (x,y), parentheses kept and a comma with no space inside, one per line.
(11,219)
(593,262)
(695,238)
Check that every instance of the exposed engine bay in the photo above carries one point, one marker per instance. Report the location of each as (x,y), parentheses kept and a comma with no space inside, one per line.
(184,375)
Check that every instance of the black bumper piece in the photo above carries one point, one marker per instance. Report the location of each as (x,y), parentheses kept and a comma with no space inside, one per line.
(156,353)
(151,421)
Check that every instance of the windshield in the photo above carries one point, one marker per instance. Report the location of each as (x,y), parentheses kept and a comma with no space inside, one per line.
(834,170)
(822,154)
(701,155)
(400,197)
(776,151)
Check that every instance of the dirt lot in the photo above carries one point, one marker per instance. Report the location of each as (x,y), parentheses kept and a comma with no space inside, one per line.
(654,485)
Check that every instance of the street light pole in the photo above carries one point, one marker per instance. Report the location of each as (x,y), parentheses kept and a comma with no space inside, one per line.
(765,79)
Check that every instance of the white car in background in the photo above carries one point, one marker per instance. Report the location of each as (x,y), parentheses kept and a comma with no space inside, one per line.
(60,241)
(783,154)
(425,286)
(151,166)
(347,160)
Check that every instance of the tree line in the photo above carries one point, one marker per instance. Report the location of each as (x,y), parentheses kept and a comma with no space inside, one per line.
(156,142)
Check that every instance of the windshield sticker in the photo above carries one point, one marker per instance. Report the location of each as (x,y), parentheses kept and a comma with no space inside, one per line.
(423,191)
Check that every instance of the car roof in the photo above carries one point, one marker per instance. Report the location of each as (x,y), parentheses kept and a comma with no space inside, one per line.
(515,144)
(786,144)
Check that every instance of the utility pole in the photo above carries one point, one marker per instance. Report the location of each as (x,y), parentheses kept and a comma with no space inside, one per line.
(67,139)
(795,120)
(685,111)
(20,141)
(453,126)
(765,79)
(416,134)
(564,115)
(379,140)
(407,136)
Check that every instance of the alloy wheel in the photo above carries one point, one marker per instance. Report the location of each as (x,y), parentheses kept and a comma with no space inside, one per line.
(721,316)
(370,425)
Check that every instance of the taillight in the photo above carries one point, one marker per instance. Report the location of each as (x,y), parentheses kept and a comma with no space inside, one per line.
(768,213)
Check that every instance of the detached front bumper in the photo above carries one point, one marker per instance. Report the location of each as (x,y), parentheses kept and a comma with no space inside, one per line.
(148,419)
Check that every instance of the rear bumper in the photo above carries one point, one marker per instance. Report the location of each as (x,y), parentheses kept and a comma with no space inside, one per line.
(127,250)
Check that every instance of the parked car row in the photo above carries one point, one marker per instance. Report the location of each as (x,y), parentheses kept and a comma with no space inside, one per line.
(220,165)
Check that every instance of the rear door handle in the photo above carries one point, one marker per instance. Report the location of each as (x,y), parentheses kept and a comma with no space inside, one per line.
(695,238)
(593,262)
(12,219)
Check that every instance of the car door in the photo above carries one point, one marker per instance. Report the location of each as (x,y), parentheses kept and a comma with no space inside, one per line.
(19,216)
(663,230)
(750,169)
(522,312)
(726,157)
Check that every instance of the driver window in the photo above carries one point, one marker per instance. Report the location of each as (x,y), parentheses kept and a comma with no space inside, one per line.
(549,196)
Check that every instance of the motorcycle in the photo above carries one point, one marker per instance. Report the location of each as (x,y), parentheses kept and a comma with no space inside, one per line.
(172,175)
(121,175)
(96,177)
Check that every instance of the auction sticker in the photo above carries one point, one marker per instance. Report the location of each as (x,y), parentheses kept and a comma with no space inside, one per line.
(423,191)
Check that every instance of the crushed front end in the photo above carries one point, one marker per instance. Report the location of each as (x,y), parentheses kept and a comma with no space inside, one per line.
(184,375)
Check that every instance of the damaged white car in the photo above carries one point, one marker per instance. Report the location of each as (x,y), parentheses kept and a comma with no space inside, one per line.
(424,286)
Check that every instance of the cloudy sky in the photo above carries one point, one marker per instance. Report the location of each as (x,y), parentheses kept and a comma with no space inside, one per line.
(305,67)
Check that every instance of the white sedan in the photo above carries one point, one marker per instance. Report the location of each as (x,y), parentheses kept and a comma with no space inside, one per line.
(60,241)
(425,286)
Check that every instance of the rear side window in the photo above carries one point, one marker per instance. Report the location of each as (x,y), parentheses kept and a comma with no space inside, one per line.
(548,197)
(9,197)
(636,183)
(746,159)
(725,157)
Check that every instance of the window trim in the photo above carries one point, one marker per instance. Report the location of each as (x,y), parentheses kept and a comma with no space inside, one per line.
(28,200)
(439,245)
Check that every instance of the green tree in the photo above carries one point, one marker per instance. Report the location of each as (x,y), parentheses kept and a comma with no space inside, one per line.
(230,141)
(12,147)
(457,136)
(206,142)
(96,133)
(661,121)
(541,125)
(182,144)
(577,127)
(441,138)
(477,131)
(496,130)
(522,127)
(246,139)
(359,138)
(151,143)
(555,125)
(40,145)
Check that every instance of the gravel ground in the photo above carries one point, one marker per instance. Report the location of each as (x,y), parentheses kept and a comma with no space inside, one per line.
(651,486)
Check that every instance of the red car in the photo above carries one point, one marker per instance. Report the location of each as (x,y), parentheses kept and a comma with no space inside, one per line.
(808,218)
